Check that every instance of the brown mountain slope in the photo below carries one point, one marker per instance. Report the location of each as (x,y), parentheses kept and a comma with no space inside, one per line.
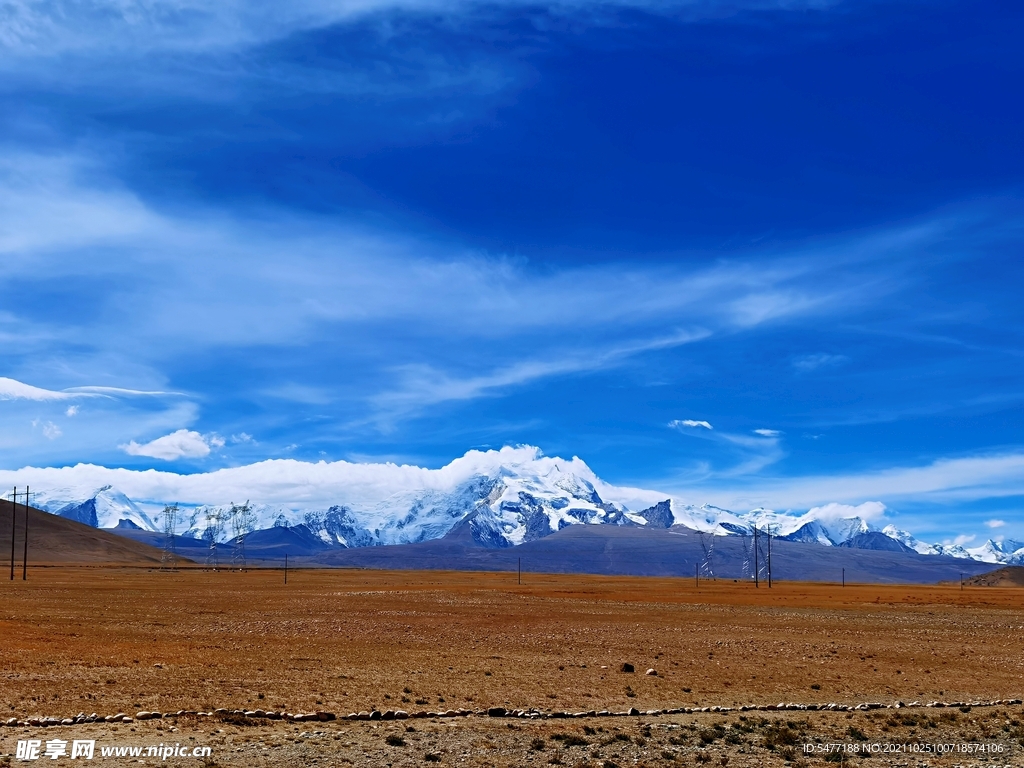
(1008,576)
(54,540)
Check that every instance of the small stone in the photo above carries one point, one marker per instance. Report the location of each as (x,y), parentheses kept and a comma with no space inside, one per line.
(627,667)
(633,712)
(652,672)
(496,712)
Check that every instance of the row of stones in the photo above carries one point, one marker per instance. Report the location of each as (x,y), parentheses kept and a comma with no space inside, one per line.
(121,717)
(492,712)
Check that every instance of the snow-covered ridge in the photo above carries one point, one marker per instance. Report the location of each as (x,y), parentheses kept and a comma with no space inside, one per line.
(505,498)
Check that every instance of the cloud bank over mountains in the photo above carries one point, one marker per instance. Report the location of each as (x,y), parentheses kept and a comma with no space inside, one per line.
(506,497)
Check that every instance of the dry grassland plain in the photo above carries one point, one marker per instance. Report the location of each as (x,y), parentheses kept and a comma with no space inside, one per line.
(107,640)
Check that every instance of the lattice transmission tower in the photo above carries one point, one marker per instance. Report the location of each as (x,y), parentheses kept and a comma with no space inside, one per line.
(707,543)
(214,527)
(243,521)
(169,558)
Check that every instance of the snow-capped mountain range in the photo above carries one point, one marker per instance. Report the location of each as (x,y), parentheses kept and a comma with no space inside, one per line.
(505,497)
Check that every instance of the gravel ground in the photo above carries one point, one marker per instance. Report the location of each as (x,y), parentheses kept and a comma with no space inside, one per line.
(736,740)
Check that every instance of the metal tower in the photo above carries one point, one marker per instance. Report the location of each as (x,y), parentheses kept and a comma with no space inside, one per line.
(214,526)
(169,559)
(243,521)
(707,543)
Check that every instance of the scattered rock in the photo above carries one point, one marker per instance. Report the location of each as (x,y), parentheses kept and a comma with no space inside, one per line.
(496,712)
(627,667)
(652,672)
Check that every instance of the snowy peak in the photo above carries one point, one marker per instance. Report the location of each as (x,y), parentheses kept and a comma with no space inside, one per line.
(989,552)
(906,539)
(107,507)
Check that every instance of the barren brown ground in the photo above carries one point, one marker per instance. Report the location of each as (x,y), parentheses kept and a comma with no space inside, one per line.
(110,639)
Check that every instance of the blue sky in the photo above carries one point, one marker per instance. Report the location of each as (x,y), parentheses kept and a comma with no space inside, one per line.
(754,253)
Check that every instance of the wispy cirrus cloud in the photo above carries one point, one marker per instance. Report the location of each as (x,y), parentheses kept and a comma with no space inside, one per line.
(746,454)
(943,481)
(12,389)
(676,423)
(423,386)
(58,27)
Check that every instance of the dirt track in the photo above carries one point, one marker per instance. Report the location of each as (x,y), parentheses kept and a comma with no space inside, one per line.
(109,640)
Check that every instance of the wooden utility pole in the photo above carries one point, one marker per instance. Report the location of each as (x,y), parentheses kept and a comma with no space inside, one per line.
(696,575)
(769,557)
(756,585)
(14,508)
(24,560)
(286,569)
(520,571)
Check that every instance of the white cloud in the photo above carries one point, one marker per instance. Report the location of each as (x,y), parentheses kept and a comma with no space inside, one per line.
(995,523)
(868,511)
(676,423)
(242,437)
(287,481)
(183,444)
(767,432)
(51,431)
(960,541)
(71,411)
(11,389)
